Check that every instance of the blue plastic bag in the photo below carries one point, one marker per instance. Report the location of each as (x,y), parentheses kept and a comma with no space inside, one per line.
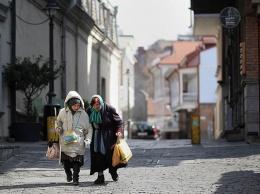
(70,136)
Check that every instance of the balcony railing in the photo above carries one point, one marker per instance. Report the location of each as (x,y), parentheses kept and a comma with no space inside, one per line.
(189,97)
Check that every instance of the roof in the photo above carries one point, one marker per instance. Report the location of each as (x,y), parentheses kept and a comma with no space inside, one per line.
(180,50)
(209,40)
(214,7)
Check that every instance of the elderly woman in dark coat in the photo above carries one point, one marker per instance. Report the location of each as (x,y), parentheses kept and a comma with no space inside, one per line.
(107,126)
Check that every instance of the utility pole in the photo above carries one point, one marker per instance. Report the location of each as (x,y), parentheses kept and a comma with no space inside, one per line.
(128,106)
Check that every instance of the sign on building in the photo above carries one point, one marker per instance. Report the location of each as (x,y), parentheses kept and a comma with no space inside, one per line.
(229,17)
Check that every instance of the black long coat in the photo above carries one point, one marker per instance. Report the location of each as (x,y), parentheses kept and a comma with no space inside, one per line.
(111,122)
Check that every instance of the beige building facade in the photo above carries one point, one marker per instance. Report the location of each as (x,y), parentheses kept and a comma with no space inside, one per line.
(84,41)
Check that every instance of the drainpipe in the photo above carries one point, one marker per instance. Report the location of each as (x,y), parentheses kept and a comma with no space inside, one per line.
(72,4)
(76,52)
(116,11)
(13,55)
(258,23)
(76,58)
(98,62)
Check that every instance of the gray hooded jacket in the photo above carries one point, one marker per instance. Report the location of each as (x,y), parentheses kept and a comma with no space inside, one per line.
(78,122)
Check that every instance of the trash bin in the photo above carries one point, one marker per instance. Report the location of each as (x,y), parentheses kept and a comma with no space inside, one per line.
(49,122)
(195,130)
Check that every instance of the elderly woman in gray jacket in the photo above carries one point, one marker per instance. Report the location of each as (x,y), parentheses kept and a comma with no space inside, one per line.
(75,132)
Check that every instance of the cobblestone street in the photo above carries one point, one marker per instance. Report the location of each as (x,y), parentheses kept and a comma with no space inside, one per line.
(165,166)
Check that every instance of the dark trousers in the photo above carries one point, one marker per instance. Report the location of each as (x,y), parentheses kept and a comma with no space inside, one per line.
(76,169)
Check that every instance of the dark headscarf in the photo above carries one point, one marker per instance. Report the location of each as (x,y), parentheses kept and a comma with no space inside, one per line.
(73,101)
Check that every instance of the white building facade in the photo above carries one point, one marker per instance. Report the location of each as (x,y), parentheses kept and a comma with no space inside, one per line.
(85,42)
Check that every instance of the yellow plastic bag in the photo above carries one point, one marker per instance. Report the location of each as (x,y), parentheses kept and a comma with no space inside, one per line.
(116,159)
(124,151)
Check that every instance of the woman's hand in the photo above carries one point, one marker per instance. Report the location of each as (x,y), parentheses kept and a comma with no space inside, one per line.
(59,130)
(87,142)
(118,134)
(85,132)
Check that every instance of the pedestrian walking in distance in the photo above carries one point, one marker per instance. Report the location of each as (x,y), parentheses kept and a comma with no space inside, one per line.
(107,126)
(75,132)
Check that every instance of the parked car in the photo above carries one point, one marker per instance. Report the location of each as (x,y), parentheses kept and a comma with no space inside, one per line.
(143,130)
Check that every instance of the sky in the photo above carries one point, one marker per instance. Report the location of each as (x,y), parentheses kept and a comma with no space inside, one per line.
(151,20)
(207,72)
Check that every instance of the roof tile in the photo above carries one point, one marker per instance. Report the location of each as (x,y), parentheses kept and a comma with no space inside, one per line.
(180,50)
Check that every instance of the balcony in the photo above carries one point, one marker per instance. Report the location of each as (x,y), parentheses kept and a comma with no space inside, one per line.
(188,101)
(189,98)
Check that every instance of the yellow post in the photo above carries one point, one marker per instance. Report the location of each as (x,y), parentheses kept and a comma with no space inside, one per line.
(51,121)
(195,130)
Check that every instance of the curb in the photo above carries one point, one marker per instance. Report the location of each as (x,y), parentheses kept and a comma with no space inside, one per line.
(8,151)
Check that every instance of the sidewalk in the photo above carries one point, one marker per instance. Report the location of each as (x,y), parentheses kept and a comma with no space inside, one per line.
(142,143)
(8,149)
(165,166)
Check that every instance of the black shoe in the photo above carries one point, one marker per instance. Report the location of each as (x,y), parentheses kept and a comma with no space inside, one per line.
(100,180)
(114,176)
(75,182)
(69,178)
(69,175)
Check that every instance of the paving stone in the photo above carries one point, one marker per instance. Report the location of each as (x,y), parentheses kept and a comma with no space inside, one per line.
(165,166)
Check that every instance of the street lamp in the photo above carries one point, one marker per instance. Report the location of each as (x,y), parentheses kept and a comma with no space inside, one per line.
(50,108)
(51,8)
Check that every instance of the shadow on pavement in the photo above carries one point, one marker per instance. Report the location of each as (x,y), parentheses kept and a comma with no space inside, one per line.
(246,182)
(173,156)
(51,185)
